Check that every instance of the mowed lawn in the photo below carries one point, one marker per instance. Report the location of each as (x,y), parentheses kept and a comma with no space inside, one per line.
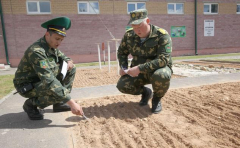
(6,83)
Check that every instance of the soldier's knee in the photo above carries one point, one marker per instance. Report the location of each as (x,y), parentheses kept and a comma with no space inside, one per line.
(120,86)
(162,75)
(73,70)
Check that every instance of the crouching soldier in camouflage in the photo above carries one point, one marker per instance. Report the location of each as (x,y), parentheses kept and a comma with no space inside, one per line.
(39,77)
(150,47)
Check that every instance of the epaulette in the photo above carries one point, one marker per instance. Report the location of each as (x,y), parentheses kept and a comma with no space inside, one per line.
(163,31)
(39,50)
(129,29)
(128,33)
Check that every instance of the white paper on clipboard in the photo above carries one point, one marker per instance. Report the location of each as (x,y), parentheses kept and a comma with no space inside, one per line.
(64,69)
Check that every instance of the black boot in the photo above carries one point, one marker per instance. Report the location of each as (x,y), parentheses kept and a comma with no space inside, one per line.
(61,107)
(156,105)
(146,96)
(32,111)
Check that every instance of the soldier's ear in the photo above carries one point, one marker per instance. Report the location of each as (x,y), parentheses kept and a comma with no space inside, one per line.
(148,20)
(47,34)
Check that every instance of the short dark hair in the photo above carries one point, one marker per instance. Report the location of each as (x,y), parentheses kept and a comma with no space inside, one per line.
(50,32)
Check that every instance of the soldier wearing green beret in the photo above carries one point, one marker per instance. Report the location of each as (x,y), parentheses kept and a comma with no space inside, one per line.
(150,47)
(38,76)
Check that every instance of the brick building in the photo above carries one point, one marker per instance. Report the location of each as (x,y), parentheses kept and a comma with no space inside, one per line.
(217,25)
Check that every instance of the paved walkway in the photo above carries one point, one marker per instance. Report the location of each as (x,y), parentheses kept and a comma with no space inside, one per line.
(107,90)
(17,131)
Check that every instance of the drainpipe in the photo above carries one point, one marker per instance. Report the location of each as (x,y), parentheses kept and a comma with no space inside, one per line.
(196,27)
(4,35)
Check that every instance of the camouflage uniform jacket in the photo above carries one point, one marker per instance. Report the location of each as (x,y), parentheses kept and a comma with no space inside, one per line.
(151,54)
(40,63)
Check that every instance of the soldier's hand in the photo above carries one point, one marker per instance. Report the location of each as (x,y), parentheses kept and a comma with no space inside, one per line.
(75,108)
(70,65)
(121,72)
(134,71)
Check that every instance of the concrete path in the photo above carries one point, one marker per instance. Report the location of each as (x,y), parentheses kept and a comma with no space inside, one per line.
(17,131)
(9,71)
(108,90)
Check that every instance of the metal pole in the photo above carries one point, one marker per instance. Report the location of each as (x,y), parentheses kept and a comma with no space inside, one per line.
(109,64)
(117,58)
(4,35)
(116,45)
(99,56)
(104,57)
(196,27)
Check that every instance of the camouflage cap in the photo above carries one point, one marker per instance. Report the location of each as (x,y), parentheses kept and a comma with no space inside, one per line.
(58,25)
(137,16)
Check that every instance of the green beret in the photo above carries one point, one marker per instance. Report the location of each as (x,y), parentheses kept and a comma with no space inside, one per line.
(58,25)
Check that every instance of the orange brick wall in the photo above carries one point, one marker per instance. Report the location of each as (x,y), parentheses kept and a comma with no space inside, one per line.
(106,7)
(14,6)
(156,7)
(189,8)
(64,7)
(120,7)
(6,7)
(227,8)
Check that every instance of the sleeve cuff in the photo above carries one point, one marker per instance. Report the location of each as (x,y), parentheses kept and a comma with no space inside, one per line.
(141,68)
(66,99)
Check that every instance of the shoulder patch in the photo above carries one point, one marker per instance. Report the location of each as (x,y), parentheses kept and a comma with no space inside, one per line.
(43,64)
(168,48)
(163,31)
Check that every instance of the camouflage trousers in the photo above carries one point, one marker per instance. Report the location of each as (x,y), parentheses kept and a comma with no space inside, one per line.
(160,80)
(43,97)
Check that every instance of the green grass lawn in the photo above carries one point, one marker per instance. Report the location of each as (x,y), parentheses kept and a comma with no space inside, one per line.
(7,82)
(95,64)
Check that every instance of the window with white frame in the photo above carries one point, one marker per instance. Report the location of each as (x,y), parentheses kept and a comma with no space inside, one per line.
(210,8)
(86,7)
(131,6)
(238,8)
(38,7)
(175,8)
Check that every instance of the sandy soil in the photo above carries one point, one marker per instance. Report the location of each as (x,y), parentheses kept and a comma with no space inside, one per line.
(206,116)
(97,77)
